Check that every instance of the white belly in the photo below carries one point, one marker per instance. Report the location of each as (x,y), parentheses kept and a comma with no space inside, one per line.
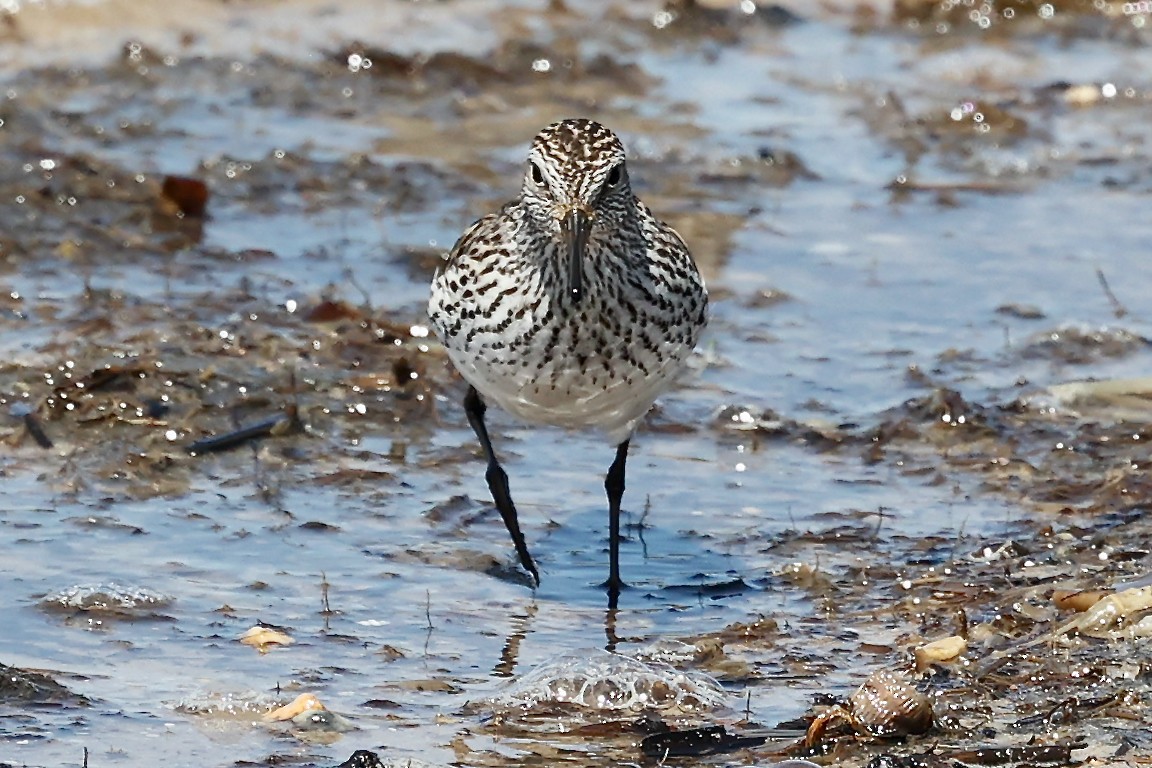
(609,399)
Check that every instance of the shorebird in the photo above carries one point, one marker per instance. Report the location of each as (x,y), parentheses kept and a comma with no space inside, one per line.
(571,306)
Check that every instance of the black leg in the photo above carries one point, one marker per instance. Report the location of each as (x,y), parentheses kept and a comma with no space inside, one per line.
(614,485)
(613,639)
(498,481)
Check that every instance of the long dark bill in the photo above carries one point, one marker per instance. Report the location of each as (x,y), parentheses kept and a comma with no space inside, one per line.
(575,229)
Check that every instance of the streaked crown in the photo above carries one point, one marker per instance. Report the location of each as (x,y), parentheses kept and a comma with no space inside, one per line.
(577,163)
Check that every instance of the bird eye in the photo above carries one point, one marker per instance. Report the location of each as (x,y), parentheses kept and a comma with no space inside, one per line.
(614,176)
(537,174)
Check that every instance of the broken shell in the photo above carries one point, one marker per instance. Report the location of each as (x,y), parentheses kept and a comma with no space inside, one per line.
(1077,601)
(301,704)
(938,651)
(889,705)
(1109,611)
(263,638)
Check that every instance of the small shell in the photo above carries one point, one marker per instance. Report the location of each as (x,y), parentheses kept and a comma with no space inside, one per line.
(889,705)
(943,650)
(301,704)
(1083,94)
(263,638)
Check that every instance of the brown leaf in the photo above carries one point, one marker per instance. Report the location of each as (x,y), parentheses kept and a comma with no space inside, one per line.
(332,311)
(189,195)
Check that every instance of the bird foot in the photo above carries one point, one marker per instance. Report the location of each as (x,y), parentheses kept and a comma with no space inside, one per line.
(614,585)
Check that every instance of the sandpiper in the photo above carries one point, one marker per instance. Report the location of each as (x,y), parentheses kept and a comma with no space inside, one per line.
(572,306)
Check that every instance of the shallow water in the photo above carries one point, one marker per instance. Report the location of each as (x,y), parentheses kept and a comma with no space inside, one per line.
(895,234)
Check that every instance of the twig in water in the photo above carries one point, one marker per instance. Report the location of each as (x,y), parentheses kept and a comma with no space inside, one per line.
(639,525)
(881,514)
(366,296)
(1118,309)
(428,618)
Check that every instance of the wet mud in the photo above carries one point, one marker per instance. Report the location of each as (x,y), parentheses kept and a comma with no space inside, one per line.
(895,515)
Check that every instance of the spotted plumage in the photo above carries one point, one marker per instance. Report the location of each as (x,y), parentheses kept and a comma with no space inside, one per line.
(572,305)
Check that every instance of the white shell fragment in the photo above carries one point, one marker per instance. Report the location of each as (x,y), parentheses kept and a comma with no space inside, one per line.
(264,638)
(599,680)
(940,651)
(305,702)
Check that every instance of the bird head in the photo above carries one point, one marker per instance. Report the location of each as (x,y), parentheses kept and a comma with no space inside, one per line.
(575,185)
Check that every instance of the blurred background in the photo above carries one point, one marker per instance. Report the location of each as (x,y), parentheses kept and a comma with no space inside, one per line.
(924,225)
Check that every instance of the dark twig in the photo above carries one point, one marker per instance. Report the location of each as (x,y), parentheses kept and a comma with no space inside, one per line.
(284,423)
(32,426)
(1118,309)
(709,740)
(326,607)
(36,431)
